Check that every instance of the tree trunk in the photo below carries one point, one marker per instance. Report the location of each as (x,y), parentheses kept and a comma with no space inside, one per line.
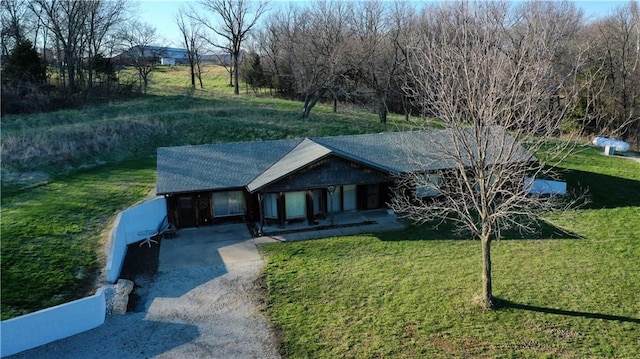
(236,84)
(310,101)
(192,65)
(382,112)
(487,290)
(199,73)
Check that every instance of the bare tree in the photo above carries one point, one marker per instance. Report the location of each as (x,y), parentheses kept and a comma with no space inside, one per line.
(238,18)
(192,38)
(103,17)
(491,96)
(278,45)
(323,52)
(269,44)
(66,20)
(139,39)
(14,24)
(378,61)
(616,40)
(382,32)
(79,30)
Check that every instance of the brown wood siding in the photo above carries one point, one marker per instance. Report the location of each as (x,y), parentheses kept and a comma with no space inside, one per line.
(332,170)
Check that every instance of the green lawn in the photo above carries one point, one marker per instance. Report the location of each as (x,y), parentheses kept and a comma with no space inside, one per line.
(52,235)
(409,294)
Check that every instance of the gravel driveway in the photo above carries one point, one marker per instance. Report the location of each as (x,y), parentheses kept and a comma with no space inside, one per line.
(206,311)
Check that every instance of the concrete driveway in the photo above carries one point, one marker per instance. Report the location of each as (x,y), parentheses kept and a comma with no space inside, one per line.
(208,246)
(205,302)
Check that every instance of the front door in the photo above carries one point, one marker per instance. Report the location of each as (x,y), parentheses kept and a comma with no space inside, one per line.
(186,212)
(204,210)
(373,196)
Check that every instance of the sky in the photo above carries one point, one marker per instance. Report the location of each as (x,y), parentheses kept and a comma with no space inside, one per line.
(161,15)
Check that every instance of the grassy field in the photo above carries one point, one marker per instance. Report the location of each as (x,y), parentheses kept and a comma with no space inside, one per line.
(409,294)
(65,174)
(66,140)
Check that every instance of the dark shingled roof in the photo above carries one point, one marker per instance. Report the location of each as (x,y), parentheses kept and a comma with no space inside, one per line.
(253,165)
(216,166)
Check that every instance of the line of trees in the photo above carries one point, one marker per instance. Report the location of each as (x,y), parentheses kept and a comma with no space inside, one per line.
(324,50)
(75,41)
(359,52)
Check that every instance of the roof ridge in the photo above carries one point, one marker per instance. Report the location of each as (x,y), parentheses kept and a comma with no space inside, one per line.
(267,172)
(279,159)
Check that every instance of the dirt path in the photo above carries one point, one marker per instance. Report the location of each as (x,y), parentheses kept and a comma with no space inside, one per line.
(199,312)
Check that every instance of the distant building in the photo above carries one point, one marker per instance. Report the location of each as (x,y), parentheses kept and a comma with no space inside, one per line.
(167,56)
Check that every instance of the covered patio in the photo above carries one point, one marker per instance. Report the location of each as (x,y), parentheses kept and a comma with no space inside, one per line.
(342,224)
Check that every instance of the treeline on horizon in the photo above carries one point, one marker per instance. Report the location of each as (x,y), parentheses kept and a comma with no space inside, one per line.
(326,51)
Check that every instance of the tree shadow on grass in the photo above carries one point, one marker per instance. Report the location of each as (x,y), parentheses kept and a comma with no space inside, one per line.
(604,191)
(446,231)
(507,304)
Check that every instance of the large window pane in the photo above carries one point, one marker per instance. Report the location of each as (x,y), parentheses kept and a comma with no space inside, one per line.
(349,197)
(227,203)
(428,185)
(296,204)
(335,201)
(220,206)
(236,202)
(271,205)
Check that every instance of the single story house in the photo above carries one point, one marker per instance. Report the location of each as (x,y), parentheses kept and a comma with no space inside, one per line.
(284,181)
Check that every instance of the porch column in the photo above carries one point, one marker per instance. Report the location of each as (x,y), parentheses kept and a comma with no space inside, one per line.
(261,210)
(309,203)
(282,207)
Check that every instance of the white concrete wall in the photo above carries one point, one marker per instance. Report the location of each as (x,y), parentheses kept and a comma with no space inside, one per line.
(51,324)
(146,216)
(541,186)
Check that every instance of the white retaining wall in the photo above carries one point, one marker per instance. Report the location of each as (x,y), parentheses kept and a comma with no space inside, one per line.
(48,325)
(146,216)
(51,324)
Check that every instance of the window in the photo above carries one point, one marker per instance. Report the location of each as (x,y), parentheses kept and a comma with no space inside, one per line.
(185,202)
(228,204)
(317,201)
(296,203)
(335,200)
(428,186)
(349,197)
(271,205)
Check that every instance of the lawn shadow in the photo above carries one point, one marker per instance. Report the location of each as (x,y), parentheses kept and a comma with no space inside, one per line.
(604,191)
(446,231)
(504,303)
(119,337)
